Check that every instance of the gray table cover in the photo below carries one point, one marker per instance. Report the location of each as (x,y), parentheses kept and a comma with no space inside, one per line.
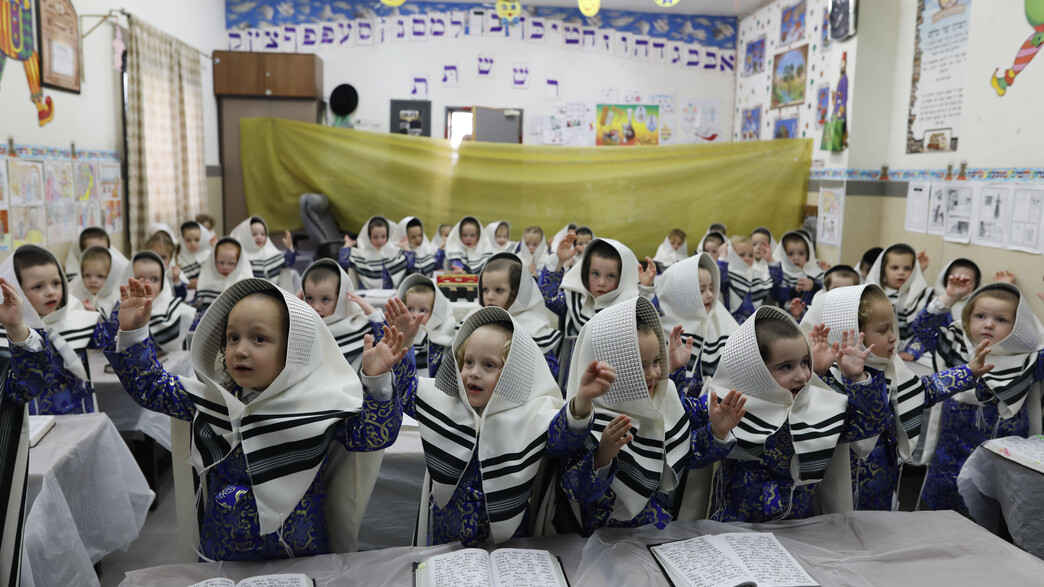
(992,486)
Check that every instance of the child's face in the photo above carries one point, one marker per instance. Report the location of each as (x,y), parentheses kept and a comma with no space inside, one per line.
(502,235)
(42,285)
(759,238)
(745,252)
(191,237)
(321,296)
(480,369)
(444,231)
(496,289)
(837,281)
(898,267)
(226,258)
(603,276)
(419,304)
(991,320)
(147,271)
(255,342)
(415,235)
(469,235)
(581,243)
(797,252)
(711,248)
(378,236)
(706,288)
(676,243)
(532,242)
(259,234)
(649,349)
(879,330)
(790,363)
(94,275)
(96,241)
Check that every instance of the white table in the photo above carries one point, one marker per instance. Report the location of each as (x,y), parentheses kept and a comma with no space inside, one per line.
(994,487)
(86,498)
(391,515)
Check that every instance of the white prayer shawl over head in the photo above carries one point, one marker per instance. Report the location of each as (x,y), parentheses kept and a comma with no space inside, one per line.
(528,308)
(69,328)
(475,257)
(314,392)
(72,256)
(746,280)
(163,227)
(791,272)
(266,261)
(815,414)
(442,326)
(908,300)
(424,261)
(171,317)
(699,245)
(538,258)
(666,255)
(839,310)
(109,294)
(1014,358)
(940,289)
(762,265)
(370,262)
(581,305)
(678,291)
(491,234)
(192,263)
(348,322)
(211,283)
(508,436)
(561,234)
(654,460)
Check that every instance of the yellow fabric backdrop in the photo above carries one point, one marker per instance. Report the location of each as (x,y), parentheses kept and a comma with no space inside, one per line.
(634,194)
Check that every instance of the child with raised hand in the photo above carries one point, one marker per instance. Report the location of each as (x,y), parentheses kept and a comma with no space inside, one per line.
(688,294)
(791,444)
(422,256)
(171,319)
(375,262)
(744,287)
(225,267)
(418,298)
(262,355)
(1005,402)
(99,284)
(327,289)
(499,235)
(673,249)
(164,247)
(802,276)
(866,308)
(46,332)
(762,237)
(266,261)
(898,271)
(487,420)
(467,247)
(532,250)
(646,435)
(194,251)
(92,236)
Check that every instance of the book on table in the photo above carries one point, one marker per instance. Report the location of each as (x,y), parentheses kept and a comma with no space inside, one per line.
(506,567)
(1028,452)
(284,580)
(735,559)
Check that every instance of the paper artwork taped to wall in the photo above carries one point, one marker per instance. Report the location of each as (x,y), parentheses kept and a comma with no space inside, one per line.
(627,125)
(751,128)
(754,61)
(59,190)
(786,128)
(792,24)
(5,226)
(789,77)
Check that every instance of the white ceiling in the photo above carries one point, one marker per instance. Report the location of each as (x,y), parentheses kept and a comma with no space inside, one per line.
(708,7)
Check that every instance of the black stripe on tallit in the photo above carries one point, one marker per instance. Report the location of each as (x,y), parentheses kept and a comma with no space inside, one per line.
(288,458)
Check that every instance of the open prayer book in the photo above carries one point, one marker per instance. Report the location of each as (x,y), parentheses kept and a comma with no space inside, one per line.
(297,580)
(735,559)
(507,567)
(1028,452)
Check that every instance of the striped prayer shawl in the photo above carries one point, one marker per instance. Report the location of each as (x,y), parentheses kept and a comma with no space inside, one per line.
(14,470)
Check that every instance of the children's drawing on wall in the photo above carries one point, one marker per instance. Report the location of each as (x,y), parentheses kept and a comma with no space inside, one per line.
(699,120)
(835,132)
(1029,49)
(786,128)
(61,207)
(509,12)
(792,24)
(751,126)
(17,42)
(822,105)
(788,77)
(937,209)
(5,226)
(622,125)
(824,32)
(86,181)
(754,62)
(27,185)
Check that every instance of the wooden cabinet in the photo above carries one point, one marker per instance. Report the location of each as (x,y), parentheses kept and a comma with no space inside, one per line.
(271,75)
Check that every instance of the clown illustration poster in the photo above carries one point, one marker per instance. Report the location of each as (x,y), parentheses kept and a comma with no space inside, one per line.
(626,125)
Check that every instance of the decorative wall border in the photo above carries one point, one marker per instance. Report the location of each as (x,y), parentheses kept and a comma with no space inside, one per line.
(975,174)
(41,152)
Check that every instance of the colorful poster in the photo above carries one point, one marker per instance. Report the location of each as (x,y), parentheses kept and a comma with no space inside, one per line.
(754,62)
(59,190)
(785,128)
(822,105)
(26,181)
(699,122)
(88,212)
(792,23)
(5,198)
(937,89)
(627,125)
(788,77)
(111,181)
(27,225)
(112,216)
(751,129)
(831,215)
(86,181)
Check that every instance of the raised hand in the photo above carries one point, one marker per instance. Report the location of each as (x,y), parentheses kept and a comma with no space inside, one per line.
(823,354)
(678,352)
(404,244)
(850,359)
(978,364)
(615,435)
(396,314)
(87,305)
(1004,277)
(457,270)
(366,307)
(723,251)
(594,382)
(135,304)
(906,356)
(922,260)
(379,359)
(725,414)
(288,241)
(647,276)
(796,307)
(213,240)
(175,273)
(766,252)
(532,269)
(349,241)
(824,265)
(957,286)
(804,284)
(11,312)
(565,249)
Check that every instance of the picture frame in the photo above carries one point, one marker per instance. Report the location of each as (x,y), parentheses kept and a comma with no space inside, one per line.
(793,23)
(785,127)
(58,43)
(754,57)
(789,77)
(750,127)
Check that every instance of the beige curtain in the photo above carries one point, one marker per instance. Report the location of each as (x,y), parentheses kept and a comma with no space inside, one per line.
(166,172)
